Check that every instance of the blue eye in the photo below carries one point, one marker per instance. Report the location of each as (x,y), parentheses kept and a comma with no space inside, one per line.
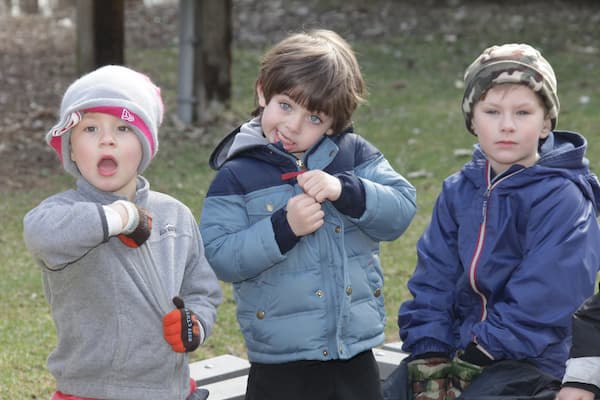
(285,106)
(315,119)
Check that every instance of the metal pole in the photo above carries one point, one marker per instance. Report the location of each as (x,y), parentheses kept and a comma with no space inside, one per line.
(187,49)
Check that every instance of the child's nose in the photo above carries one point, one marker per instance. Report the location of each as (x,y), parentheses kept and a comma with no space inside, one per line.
(294,122)
(507,122)
(107,137)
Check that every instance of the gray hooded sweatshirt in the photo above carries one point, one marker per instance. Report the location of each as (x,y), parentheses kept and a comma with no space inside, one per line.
(108,300)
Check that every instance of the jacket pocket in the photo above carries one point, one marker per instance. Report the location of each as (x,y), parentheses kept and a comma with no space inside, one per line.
(262,203)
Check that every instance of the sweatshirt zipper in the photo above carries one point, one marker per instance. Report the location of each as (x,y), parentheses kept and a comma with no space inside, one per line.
(481,239)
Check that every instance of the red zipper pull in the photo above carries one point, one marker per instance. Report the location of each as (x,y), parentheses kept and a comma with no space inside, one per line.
(290,175)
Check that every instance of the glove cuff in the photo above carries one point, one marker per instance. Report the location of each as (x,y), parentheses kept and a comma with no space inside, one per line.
(202,333)
(475,354)
(133,217)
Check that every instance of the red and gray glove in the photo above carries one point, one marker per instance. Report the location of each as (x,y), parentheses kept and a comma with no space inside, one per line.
(181,328)
(139,225)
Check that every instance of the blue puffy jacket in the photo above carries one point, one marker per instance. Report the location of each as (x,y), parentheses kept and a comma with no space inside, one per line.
(505,261)
(318,297)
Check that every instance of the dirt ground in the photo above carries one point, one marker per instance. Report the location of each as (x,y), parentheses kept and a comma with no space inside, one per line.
(37,61)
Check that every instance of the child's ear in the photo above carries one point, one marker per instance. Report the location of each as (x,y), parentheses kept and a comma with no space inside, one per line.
(260,95)
(71,154)
(546,128)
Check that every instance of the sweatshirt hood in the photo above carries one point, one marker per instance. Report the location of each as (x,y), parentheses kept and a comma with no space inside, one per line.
(245,137)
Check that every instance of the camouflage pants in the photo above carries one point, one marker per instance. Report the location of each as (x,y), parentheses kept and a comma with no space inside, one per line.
(440,378)
(504,380)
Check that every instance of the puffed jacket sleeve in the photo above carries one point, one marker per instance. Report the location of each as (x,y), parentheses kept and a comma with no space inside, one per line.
(236,248)
(390,200)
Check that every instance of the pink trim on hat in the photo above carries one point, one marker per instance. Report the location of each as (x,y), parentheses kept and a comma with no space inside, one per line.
(58,131)
(56,143)
(130,117)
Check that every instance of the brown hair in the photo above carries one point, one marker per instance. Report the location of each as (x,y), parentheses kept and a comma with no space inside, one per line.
(505,87)
(318,70)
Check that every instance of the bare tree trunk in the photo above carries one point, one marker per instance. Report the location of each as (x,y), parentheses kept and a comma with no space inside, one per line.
(100,33)
(60,5)
(6,7)
(109,31)
(29,6)
(204,78)
(215,34)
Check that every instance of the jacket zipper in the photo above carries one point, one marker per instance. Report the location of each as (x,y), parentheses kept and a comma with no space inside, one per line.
(481,239)
(290,175)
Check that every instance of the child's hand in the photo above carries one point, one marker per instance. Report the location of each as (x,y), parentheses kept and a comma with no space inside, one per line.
(181,328)
(571,393)
(320,185)
(304,214)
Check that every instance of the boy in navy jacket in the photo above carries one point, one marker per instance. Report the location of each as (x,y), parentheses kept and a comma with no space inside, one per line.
(512,248)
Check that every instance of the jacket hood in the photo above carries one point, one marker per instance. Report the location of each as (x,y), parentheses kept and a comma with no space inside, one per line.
(563,153)
(245,137)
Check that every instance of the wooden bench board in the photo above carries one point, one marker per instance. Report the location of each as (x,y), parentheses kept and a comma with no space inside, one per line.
(229,389)
(218,368)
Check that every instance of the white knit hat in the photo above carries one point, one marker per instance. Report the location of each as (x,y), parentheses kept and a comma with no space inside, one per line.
(114,90)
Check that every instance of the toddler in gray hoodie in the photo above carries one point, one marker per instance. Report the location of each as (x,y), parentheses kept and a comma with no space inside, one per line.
(123,266)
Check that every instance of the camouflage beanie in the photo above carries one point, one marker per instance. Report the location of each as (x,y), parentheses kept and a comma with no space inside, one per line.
(510,63)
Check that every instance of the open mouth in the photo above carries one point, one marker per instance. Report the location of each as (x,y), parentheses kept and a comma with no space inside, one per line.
(107,166)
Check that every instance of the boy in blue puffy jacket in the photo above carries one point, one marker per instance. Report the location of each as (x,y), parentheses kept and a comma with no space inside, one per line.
(294,219)
(512,249)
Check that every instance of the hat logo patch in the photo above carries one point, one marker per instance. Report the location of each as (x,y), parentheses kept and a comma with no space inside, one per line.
(127,116)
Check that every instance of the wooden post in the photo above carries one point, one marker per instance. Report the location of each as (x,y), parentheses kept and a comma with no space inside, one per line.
(214,71)
(100,33)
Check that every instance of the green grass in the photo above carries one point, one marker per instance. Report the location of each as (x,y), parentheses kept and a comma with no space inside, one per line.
(412,114)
